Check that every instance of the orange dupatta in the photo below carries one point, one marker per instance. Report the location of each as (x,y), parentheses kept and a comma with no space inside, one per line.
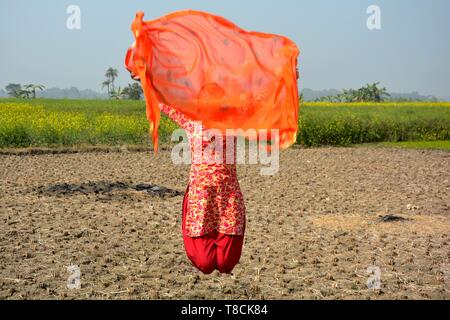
(214,72)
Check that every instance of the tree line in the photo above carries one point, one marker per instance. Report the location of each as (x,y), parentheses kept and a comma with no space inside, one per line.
(28,91)
(367,93)
(131,92)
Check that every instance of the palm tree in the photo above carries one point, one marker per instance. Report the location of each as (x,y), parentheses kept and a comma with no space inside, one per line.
(372,93)
(24,94)
(378,93)
(347,96)
(106,84)
(31,88)
(111,75)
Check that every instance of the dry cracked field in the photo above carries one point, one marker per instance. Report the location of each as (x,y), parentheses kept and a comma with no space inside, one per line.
(314,229)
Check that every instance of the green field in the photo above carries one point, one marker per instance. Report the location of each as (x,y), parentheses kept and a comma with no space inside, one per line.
(346,124)
(53,123)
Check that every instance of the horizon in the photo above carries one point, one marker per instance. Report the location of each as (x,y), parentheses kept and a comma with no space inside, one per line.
(404,56)
(104,95)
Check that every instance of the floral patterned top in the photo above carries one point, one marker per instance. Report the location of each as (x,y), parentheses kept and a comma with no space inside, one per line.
(215,201)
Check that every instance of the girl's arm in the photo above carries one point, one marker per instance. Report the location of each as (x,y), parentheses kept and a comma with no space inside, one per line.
(178,117)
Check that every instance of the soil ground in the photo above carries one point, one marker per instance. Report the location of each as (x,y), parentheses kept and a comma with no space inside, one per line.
(314,229)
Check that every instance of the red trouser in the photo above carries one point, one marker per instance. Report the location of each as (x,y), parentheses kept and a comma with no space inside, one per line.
(211,251)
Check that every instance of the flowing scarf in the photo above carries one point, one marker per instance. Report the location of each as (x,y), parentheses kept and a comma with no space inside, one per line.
(217,73)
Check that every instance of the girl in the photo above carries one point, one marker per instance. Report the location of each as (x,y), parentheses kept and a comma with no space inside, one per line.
(213,213)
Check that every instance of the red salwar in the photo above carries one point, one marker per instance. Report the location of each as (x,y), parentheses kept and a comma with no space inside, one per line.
(212,251)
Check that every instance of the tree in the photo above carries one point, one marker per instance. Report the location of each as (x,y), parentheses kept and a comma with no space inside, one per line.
(14,89)
(368,93)
(24,94)
(133,91)
(31,88)
(111,75)
(117,94)
(106,84)
(377,94)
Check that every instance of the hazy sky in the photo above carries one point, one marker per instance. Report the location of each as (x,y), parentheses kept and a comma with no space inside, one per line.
(410,52)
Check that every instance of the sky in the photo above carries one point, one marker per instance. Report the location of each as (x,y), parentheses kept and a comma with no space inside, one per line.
(409,53)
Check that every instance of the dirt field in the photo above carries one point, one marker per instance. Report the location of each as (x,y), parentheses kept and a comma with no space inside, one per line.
(313,229)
